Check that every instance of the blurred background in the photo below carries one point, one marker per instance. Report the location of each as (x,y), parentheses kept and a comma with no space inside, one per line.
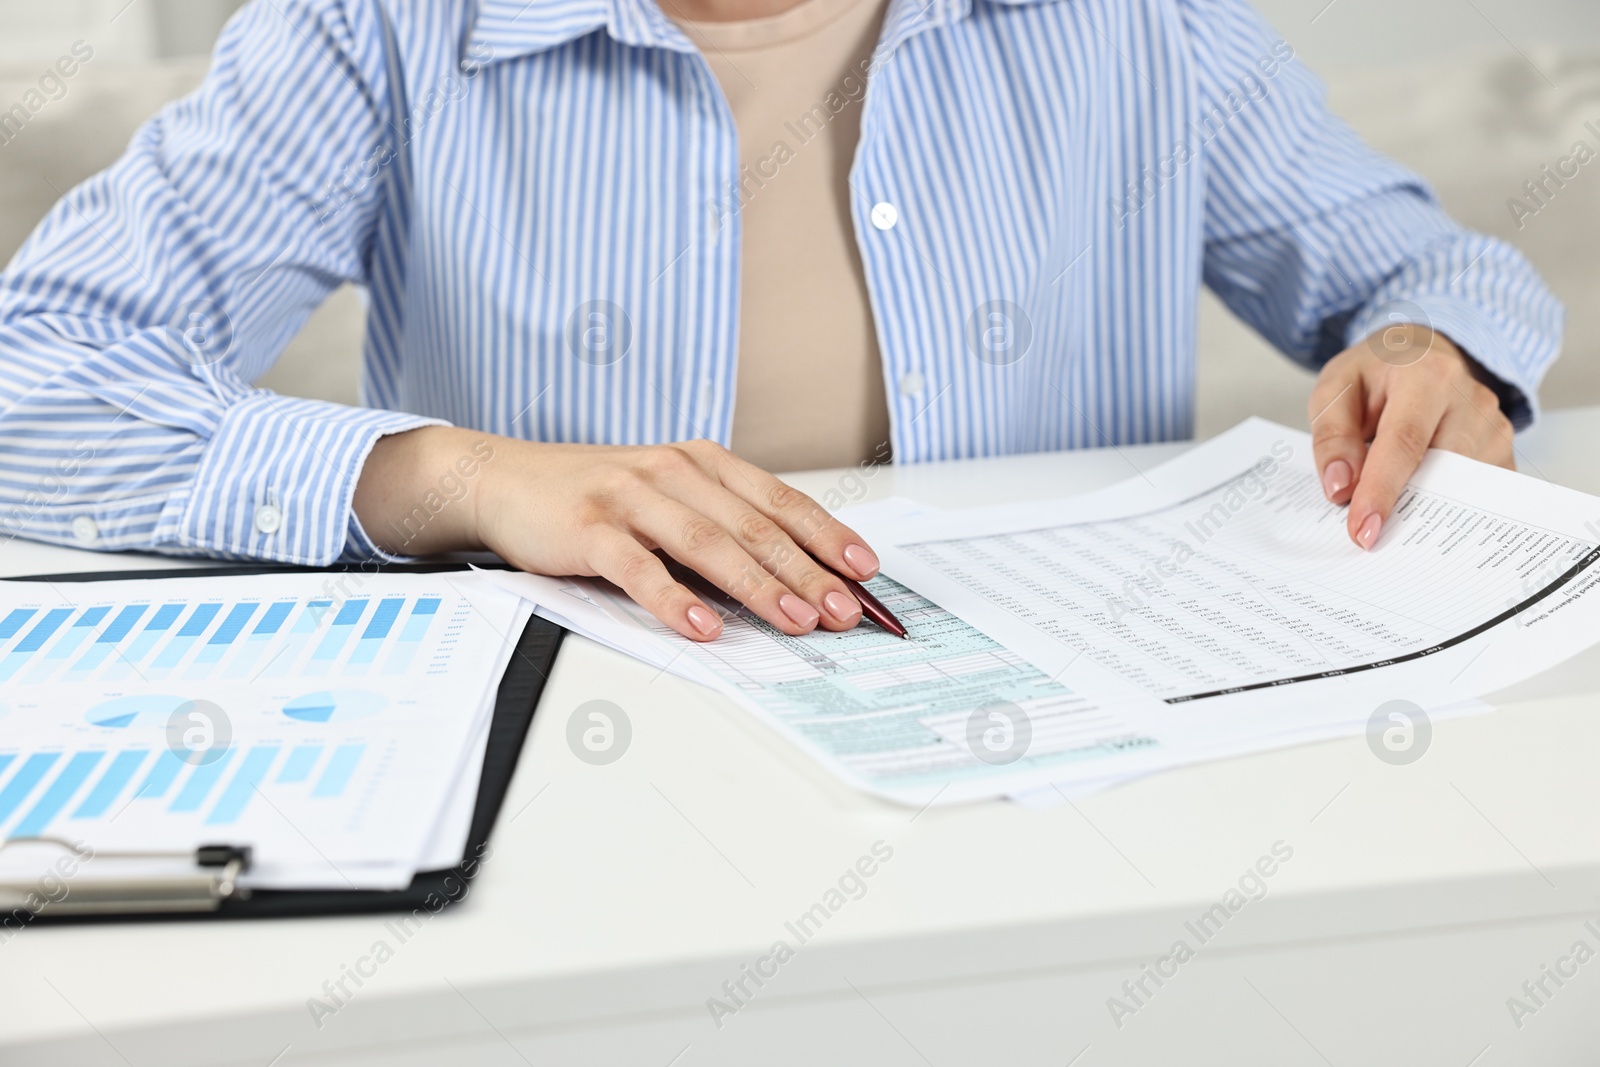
(1476,95)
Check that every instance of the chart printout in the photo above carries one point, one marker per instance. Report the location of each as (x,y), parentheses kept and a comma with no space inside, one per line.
(314,717)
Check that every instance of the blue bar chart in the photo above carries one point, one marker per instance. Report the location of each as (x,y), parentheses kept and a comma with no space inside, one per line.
(109,638)
(411,636)
(163,620)
(39,789)
(201,780)
(334,641)
(297,768)
(111,784)
(182,641)
(68,643)
(174,645)
(29,774)
(162,774)
(261,635)
(287,657)
(222,638)
(372,637)
(333,725)
(57,794)
(336,775)
(42,787)
(14,620)
(243,786)
(32,641)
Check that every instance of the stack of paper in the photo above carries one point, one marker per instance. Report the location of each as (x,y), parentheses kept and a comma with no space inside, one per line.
(335,723)
(1211,607)
(1224,589)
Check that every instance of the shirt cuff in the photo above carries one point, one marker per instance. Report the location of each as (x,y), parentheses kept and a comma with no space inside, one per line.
(359,547)
(277,481)
(1472,332)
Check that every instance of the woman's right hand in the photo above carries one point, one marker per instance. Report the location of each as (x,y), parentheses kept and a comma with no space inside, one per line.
(605,510)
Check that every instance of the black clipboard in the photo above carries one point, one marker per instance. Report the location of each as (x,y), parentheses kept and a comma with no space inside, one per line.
(514,707)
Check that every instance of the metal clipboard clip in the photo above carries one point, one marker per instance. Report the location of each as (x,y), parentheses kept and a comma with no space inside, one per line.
(215,880)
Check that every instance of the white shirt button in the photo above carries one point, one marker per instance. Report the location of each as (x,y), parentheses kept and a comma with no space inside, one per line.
(912,383)
(885,215)
(268,519)
(86,530)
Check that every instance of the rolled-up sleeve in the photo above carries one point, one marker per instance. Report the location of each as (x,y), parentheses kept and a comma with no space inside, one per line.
(1318,242)
(138,314)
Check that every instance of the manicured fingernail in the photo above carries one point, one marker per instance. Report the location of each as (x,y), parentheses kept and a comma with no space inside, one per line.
(802,613)
(861,560)
(1335,478)
(841,607)
(1367,536)
(703,619)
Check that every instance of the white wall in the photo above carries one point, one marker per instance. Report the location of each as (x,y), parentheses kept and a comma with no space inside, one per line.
(35,32)
(1359,33)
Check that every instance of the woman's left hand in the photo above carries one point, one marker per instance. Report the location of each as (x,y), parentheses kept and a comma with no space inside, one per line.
(1405,389)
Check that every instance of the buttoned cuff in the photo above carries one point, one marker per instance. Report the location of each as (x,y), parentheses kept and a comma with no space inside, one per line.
(359,547)
(277,481)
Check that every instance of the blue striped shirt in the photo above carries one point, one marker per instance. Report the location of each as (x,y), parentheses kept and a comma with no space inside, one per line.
(541,198)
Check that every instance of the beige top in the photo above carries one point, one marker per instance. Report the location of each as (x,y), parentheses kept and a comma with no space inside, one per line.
(810,383)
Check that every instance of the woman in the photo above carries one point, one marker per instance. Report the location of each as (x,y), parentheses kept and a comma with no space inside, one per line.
(623,256)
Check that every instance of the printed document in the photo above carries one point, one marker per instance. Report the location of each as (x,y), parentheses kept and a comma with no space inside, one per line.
(888,715)
(329,721)
(1211,607)
(1225,588)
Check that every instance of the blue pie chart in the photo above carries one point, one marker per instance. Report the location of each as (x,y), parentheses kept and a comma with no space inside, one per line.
(125,711)
(335,705)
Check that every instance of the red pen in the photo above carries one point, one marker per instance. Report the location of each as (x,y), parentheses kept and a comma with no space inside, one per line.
(871,607)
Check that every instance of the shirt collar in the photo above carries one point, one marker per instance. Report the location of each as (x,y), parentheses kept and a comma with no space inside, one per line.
(507,29)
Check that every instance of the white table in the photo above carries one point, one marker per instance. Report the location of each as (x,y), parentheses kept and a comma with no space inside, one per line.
(620,898)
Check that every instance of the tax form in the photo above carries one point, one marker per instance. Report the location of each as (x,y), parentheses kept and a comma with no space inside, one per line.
(946,715)
(1224,587)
